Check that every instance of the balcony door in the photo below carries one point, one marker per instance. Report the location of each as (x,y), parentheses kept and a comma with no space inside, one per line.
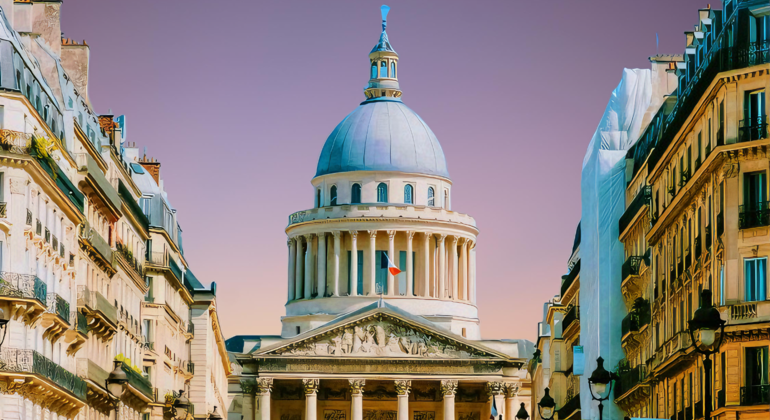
(757,383)
(754,190)
(755,276)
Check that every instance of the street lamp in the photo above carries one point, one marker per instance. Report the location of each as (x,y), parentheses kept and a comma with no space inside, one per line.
(706,321)
(215,414)
(182,405)
(522,414)
(546,405)
(598,382)
(116,381)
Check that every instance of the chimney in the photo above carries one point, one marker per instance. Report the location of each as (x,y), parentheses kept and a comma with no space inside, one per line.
(74,59)
(108,125)
(46,23)
(152,166)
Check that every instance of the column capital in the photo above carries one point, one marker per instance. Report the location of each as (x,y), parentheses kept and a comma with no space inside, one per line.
(448,386)
(471,244)
(247,387)
(428,235)
(462,241)
(410,234)
(336,234)
(321,234)
(495,388)
(391,234)
(357,386)
(289,242)
(353,234)
(403,387)
(308,236)
(310,386)
(511,390)
(441,237)
(264,385)
(455,240)
(372,233)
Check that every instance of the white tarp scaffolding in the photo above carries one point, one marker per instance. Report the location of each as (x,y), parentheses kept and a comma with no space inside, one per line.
(602,190)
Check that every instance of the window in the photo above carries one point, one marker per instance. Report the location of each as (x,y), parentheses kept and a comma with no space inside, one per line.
(18,80)
(298,330)
(383,69)
(754,127)
(318,198)
(393,69)
(374,70)
(382,193)
(720,132)
(408,194)
(446,199)
(355,194)
(431,197)
(722,286)
(754,211)
(755,278)
(333,196)
(756,369)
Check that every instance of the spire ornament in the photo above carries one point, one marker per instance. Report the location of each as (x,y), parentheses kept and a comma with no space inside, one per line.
(384,10)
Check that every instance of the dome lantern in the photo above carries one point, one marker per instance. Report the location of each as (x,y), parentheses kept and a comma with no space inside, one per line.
(383,66)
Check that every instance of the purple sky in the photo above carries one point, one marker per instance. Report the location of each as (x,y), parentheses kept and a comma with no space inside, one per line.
(236,99)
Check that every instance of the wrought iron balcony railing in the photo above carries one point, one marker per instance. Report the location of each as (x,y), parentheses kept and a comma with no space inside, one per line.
(26,286)
(82,323)
(755,394)
(30,361)
(629,379)
(137,380)
(754,215)
(573,314)
(636,319)
(753,129)
(569,278)
(639,202)
(57,305)
(632,267)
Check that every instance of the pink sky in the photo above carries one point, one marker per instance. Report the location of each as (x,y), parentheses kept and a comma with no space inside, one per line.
(236,99)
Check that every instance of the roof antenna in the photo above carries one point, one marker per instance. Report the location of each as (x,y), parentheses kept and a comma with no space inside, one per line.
(384,9)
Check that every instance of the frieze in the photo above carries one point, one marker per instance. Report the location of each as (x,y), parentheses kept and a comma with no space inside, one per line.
(375,366)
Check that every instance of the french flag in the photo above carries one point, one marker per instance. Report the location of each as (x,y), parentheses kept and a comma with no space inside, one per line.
(387,263)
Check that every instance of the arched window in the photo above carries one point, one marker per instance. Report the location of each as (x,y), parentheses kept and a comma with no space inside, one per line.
(408,194)
(374,70)
(333,195)
(355,196)
(46,110)
(382,193)
(383,69)
(393,69)
(431,197)
(318,198)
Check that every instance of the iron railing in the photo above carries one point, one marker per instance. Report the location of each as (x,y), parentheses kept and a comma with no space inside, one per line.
(124,253)
(26,286)
(629,379)
(636,319)
(753,129)
(755,394)
(632,267)
(3,209)
(573,314)
(137,380)
(755,53)
(641,200)
(570,407)
(82,323)
(57,305)
(15,141)
(30,361)
(569,278)
(754,215)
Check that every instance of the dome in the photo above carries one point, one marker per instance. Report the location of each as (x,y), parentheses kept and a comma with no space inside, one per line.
(382,134)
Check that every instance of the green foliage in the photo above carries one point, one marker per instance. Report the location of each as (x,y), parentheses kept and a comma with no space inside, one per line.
(43,148)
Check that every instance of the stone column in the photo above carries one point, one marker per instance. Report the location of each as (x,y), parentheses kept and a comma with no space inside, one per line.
(392,255)
(248,400)
(495,392)
(448,390)
(372,280)
(354,263)
(292,254)
(308,267)
(321,277)
(336,264)
(441,293)
(511,401)
(464,270)
(455,268)
(298,277)
(311,388)
(356,398)
(264,387)
(472,271)
(409,263)
(402,389)
(426,264)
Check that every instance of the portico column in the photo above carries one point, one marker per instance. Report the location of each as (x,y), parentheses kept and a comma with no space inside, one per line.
(356,398)
(308,267)
(441,267)
(495,392)
(464,270)
(372,264)
(336,266)
(292,254)
(472,271)
(426,264)
(392,256)
(402,389)
(409,263)
(353,263)
(311,388)
(511,401)
(448,390)
(298,271)
(321,277)
(247,388)
(455,267)
(264,386)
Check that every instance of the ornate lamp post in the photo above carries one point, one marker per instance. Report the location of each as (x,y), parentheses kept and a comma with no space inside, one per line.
(116,384)
(546,406)
(706,321)
(181,405)
(598,382)
(215,414)
(522,414)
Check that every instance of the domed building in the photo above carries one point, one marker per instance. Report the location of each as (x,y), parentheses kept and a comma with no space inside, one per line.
(381,317)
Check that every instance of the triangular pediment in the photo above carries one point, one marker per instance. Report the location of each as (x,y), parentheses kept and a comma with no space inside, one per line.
(381,332)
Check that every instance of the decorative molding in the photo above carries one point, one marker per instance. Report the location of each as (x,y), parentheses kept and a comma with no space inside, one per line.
(495,388)
(356,386)
(264,385)
(310,386)
(18,185)
(403,387)
(448,387)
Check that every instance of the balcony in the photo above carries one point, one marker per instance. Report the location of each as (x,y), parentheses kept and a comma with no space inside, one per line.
(639,203)
(34,373)
(137,383)
(25,294)
(125,258)
(56,319)
(755,394)
(754,215)
(637,319)
(95,185)
(77,335)
(97,248)
(570,278)
(101,315)
(573,314)
(96,378)
(632,267)
(753,129)
(629,379)
(570,408)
